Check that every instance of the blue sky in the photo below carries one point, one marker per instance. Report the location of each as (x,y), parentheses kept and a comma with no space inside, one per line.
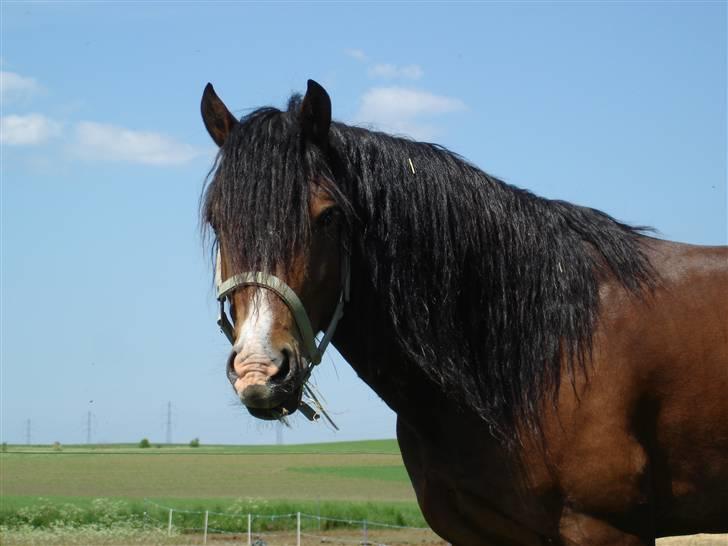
(107,303)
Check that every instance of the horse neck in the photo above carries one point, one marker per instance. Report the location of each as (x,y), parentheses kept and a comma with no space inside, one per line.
(366,340)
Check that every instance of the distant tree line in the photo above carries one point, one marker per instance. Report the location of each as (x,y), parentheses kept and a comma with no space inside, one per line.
(145,443)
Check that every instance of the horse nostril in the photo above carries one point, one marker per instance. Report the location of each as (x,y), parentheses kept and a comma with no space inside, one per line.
(284,369)
(232,376)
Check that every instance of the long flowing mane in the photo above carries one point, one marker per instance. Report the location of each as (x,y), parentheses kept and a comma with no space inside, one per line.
(486,285)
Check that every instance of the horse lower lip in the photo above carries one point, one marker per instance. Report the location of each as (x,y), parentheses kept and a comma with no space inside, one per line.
(267,402)
(259,396)
(266,414)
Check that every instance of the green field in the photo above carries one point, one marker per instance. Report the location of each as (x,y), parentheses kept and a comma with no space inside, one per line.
(360,480)
(346,471)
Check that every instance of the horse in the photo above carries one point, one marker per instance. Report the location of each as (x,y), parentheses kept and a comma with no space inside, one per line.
(558,377)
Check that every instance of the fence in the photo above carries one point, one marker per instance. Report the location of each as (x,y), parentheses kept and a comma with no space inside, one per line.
(294,528)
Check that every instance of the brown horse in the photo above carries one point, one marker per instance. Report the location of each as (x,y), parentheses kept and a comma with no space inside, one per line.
(558,377)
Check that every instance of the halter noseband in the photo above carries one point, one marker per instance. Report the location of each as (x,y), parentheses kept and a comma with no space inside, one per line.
(284,292)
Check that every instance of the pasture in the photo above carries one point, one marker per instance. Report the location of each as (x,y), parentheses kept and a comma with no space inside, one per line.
(120,485)
(351,471)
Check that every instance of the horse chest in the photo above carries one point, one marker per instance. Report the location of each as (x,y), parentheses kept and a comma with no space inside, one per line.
(468,490)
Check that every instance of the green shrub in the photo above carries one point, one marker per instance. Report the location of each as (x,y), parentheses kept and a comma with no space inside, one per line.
(144,443)
(195,442)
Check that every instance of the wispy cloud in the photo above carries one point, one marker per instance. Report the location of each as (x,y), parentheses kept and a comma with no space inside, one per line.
(392,71)
(386,70)
(13,86)
(405,111)
(27,130)
(357,54)
(99,141)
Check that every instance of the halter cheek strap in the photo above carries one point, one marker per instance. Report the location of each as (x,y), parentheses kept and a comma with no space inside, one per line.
(292,301)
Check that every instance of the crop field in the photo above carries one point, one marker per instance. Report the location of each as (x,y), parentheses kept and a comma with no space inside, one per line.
(72,489)
(121,494)
(372,470)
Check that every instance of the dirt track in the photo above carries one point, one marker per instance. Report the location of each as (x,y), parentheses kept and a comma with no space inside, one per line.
(695,540)
(332,538)
(409,538)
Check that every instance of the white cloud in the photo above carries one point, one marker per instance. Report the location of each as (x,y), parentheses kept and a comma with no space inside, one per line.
(402,111)
(357,54)
(99,141)
(14,86)
(391,71)
(27,130)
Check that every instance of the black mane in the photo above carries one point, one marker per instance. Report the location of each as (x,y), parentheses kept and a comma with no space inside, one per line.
(486,285)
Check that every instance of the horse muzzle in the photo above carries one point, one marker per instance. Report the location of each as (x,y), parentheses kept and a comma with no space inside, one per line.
(267,390)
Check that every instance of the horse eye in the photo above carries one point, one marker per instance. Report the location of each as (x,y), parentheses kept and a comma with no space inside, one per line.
(328,217)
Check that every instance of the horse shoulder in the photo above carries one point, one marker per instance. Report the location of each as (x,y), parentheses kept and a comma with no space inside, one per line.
(640,442)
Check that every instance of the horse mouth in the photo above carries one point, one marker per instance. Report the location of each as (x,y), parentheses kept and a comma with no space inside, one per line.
(268,396)
(263,402)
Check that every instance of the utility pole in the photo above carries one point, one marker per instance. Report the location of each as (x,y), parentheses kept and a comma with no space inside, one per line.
(279,433)
(27,432)
(169,422)
(88,427)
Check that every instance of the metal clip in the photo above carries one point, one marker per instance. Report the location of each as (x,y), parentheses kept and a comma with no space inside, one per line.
(310,413)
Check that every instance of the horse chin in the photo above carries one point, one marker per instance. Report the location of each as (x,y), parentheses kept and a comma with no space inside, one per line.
(269,403)
(273,414)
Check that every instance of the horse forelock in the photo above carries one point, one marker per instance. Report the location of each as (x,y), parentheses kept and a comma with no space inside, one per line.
(486,286)
(257,195)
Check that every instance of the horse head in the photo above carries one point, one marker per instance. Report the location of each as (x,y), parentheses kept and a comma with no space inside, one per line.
(282,269)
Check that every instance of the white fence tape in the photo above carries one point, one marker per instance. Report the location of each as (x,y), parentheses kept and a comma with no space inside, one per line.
(247,522)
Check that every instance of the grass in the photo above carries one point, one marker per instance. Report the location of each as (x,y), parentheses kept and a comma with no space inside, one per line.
(394,473)
(200,476)
(65,535)
(224,514)
(85,485)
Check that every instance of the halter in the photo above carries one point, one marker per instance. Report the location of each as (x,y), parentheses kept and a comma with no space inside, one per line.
(311,351)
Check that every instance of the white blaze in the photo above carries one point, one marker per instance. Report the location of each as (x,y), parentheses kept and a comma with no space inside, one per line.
(256,360)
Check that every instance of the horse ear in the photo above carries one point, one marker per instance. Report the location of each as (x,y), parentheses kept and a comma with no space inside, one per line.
(218,119)
(316,114)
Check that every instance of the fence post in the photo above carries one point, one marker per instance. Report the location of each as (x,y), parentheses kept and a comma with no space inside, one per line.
(366,534)
(250,530)
(204,537)
(298,528)
(169,525)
